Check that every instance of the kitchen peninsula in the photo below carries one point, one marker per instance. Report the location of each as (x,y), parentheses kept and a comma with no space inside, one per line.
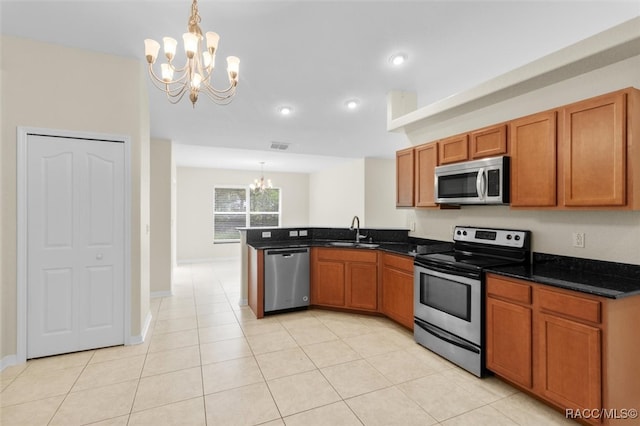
(386,253)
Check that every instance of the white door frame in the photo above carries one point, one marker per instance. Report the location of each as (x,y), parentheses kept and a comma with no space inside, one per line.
(21,284)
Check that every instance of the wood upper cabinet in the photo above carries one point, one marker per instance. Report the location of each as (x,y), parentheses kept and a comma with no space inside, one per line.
(346,278)
(397,288)
(595,148)
(405,178)
(509,330)
(453,149)
(426,160)
(488,142)
(532,147)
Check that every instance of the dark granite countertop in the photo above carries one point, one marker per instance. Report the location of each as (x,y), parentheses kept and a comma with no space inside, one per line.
(608,279)
(411,248)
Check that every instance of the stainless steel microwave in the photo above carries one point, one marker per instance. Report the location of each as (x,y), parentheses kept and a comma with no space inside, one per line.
(484,181)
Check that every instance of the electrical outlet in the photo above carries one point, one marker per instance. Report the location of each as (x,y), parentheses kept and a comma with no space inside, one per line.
(303,233)
(266,234)
(293,233)
(412,226)
(578,239)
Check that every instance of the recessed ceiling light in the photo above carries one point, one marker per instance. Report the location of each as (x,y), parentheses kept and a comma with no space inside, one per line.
(285,110)
(398,59)
(352,103)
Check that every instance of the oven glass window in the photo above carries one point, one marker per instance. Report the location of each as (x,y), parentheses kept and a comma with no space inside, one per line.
(458,185)
(447,296)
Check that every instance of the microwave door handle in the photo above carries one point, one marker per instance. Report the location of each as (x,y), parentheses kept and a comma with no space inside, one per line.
(480,183)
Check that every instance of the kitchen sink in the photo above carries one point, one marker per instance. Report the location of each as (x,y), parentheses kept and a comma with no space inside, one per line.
(367,245)
(353,244)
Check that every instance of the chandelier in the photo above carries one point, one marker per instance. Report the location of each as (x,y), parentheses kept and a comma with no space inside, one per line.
(260,185)
(195,75)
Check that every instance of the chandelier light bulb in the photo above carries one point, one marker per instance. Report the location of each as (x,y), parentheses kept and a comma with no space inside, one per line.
(170,45)
(212,40)
(195,75)
(151,48)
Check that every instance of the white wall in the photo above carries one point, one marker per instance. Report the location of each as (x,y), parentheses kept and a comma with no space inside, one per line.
(380,195)
(81,91)
(194,198)
(161,220)
(612,236)
(338,194)
(364,187)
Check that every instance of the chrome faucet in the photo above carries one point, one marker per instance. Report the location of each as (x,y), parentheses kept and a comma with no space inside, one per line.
(356,220)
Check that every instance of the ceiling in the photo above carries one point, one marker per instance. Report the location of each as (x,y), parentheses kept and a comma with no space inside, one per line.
(314,56)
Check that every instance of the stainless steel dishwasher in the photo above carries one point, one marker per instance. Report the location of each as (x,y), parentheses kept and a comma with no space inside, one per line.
(286,279)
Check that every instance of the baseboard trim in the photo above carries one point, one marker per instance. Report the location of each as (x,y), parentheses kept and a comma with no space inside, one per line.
(8,361)
(136,340)
(156,294)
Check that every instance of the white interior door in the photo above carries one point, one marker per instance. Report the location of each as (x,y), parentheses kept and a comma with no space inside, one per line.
(75,244)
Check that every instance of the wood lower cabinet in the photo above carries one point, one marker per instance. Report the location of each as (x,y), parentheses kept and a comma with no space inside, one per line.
(573,350)
(330,277)
(509,334)
(362,285)
(405,178)
(488,142)
(426,160)
(532,147)
(594,140)
(345,278)
(397,288)
(569,357)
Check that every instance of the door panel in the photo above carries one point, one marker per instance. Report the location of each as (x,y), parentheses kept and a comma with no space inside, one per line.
(75,244)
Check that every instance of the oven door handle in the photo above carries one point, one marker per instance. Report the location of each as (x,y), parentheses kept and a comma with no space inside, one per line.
(440,335)
(446,273)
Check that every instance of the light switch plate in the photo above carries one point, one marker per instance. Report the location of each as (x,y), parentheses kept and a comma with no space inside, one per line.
(266,234)
(293,233)
(303,233)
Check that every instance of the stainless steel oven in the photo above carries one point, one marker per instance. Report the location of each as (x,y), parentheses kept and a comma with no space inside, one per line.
(447,309)
(449,292)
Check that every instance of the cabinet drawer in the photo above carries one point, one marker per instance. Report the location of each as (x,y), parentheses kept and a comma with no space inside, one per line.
(404,263)
(508,290)
(348,255)
(568,305)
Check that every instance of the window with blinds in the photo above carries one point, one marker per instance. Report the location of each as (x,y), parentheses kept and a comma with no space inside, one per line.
(236,207)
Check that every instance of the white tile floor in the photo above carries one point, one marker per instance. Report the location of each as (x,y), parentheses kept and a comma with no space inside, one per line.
(209,361)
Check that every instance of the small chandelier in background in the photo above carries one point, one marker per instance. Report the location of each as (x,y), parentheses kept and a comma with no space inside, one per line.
(260,185)
(195,76)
